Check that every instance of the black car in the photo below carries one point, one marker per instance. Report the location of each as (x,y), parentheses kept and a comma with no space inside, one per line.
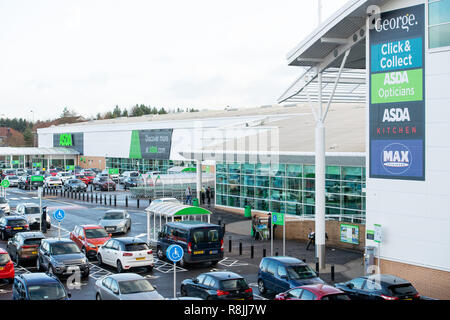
(222,285)
(24,246)
(30,182)
(132,182)
(75,185)
(38,286)
(379,287)
(61,257)
(104,183)
(10,225)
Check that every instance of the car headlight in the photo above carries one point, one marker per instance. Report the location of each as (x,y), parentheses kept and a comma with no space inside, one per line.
(84,261)
(121,224)
(90,245)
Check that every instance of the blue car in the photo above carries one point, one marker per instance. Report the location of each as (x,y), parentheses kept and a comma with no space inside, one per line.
(38,286)
(280,274)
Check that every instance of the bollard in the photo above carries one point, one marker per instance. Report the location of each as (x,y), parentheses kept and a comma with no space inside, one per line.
(126,201)
(83,197)
(137,202)
(264,252)
(115,200)
(105,200)
(92,197)
(229,244)
(96,198)
(252,252)
(149,201)
(219,222)
(223,228)
(317,268)
(332,272)
(240,248)
(109,200)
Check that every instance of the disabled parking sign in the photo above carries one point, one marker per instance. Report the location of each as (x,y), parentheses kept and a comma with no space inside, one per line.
(174,253)
(59,215)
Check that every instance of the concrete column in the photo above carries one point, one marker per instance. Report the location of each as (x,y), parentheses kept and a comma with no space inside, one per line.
(199,178)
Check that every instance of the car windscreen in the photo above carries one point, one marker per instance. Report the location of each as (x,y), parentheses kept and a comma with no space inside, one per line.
(336,297)
(32,210)
(64,174)
(76,182)
(17,222)
(48,291)
(4,259)
(54,179)
(205,235)
(136,247)
(402,290)
(113,216)
(134,174)
(3,200)
(89,173)
(63,248)
(13,178)
(95,233)
(234,284)
(300,272)
(135,286)
(32,242)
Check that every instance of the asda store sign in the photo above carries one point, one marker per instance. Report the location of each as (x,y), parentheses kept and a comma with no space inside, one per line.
(65,140)
(69,140)
(397,95)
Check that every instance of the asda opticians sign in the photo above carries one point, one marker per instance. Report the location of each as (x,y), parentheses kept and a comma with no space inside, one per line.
(397,86)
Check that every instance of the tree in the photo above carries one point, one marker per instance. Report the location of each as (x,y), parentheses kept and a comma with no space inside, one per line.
(125,113)
(28,138)
(116,112)
(68,113)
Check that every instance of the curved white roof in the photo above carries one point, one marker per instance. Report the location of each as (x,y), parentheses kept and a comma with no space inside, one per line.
(170,209)
(25,151)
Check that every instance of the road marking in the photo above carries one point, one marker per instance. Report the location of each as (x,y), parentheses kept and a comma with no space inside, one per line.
(140,235)
(232,263)
(165,267)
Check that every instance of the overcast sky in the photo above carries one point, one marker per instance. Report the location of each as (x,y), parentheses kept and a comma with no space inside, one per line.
(91,55)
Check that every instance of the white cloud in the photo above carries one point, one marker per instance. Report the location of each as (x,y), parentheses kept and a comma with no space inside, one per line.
(92,55)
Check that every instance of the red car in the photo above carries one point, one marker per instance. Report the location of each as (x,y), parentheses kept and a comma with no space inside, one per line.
(88,238)
(82,178)
(53,172)
(90,175)
(313,292)
(6,266)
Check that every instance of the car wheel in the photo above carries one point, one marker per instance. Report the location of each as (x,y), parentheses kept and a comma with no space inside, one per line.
(84,275)
(160,253)
(10,280)
(49,225)
(98,297)
(261,287)
(119,267)
(149,268)
(99,259)
(214,263)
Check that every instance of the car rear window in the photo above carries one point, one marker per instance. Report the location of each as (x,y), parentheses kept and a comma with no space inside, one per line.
(4,259)
(336,297)
(136,247)
(32,242)
(234,284)
(32,210)
(205,235)
(17,222)
(402,290)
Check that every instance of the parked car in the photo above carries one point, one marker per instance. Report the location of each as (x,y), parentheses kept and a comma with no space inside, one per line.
(126,253)
(104,183)
(126,174)
(6,266)
(32,213)
(201,242)
(221,285)
(379,287)
(89,238)
(38,286)
(279,274)
(64,176)
(53,182)
(75,185)
(116,221)
(313,292)
(114,177)
(61,257)
(53,172)
(31,182)
(24,246)
(8,172)
(4,205)
(132,182)
(130,286)
(81,177)
(173,200)
(13,180)
(10,225)
(88,175)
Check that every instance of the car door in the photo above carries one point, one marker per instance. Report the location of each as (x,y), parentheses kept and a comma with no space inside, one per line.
(44,255)
(115,252)
(114,290)
(105,289)
(105,252)
(371,290)
(11,247)
(307,295)
(355,289)
(192,289)
(74,236)
(294,294)
(281,279)
(204,287)
(269,276)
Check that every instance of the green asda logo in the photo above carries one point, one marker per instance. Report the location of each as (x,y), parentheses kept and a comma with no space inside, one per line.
(153,149)
(65,140)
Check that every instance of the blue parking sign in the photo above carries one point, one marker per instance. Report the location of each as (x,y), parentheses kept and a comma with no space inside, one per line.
(59,215)
(174,253)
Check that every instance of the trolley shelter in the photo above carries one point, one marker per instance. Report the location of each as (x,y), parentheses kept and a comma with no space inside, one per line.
(171,211)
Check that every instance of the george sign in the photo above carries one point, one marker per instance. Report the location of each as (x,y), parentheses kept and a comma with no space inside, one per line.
(397,95)
(59,215)
(174,253)
(349,233)
(5,183)
(151,144)
(278,218)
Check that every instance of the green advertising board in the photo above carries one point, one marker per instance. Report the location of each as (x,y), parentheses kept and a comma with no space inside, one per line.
(278,218)
(5,183)
(15,162)
(349,233)
(37,164)
(37,178)
(68,168)
(113,171)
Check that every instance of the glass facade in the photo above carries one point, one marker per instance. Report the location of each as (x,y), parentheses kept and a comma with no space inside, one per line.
(290,188)
(438,23)
(145,165)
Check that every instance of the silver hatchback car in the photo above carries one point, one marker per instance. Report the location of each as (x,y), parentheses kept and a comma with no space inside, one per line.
(116,221)
(125,286)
